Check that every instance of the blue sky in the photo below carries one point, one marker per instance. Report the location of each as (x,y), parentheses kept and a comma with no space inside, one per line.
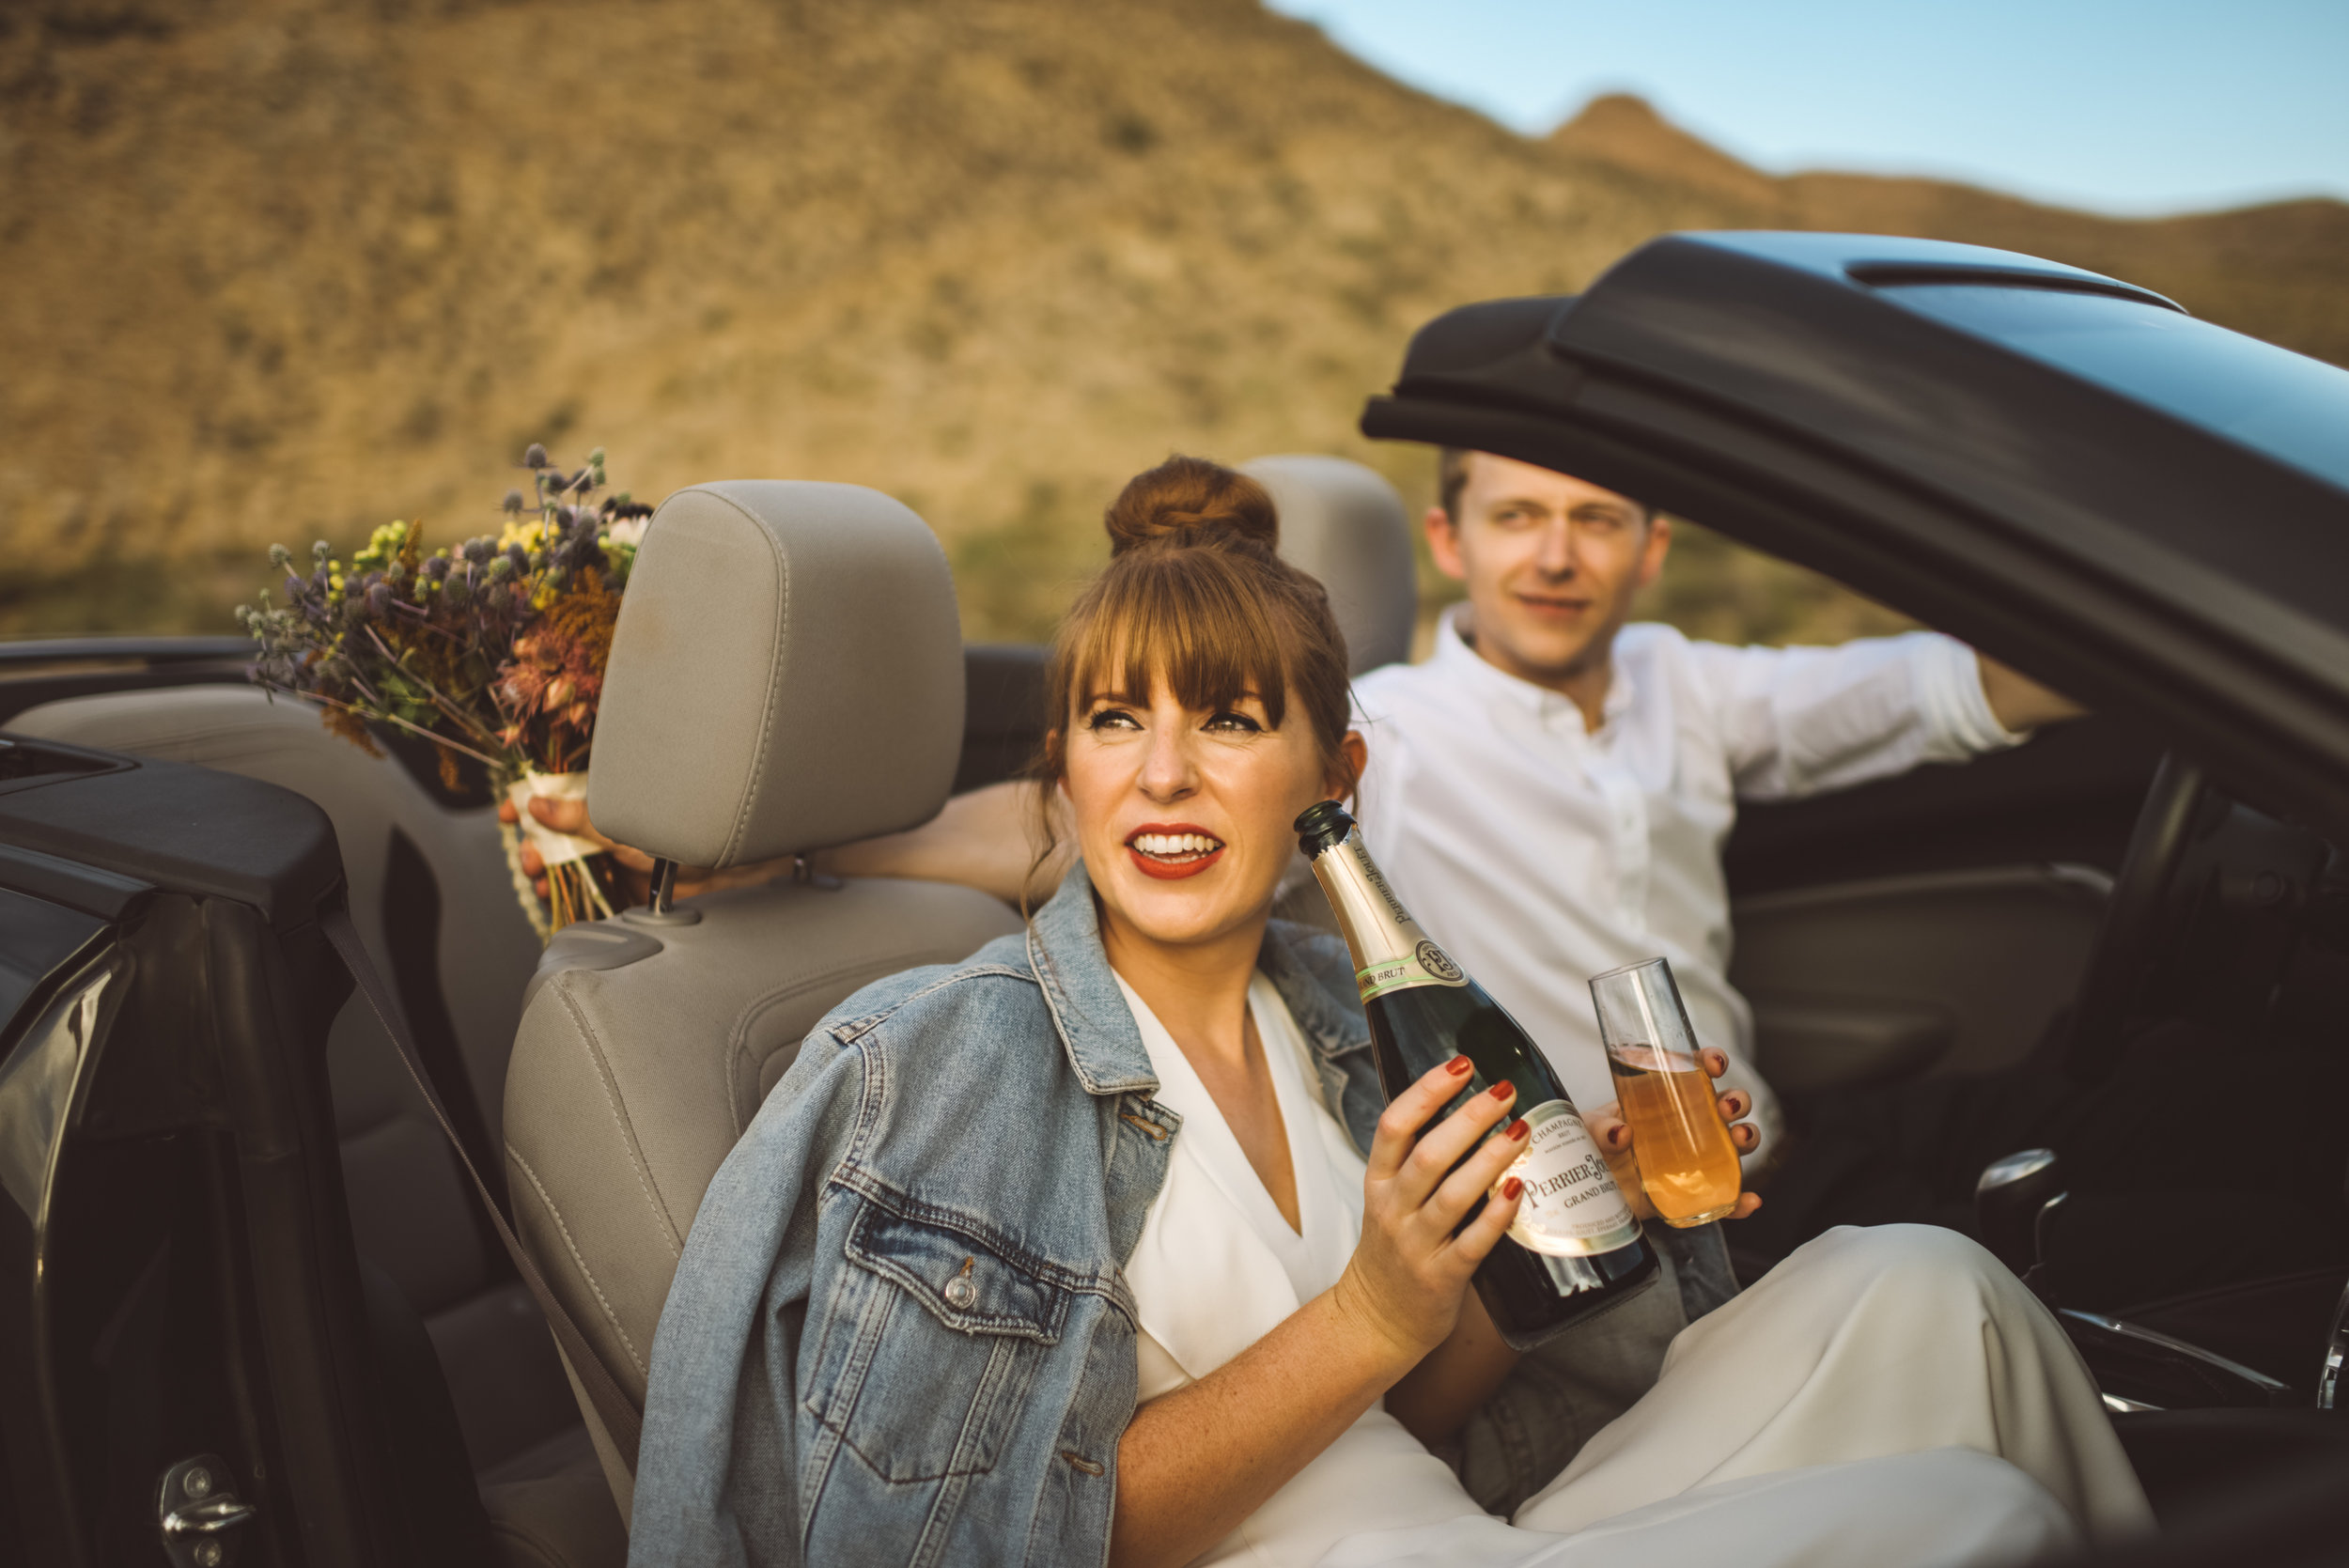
(2125,106)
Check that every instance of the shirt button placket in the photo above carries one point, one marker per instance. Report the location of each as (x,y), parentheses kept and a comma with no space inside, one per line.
(1627,815)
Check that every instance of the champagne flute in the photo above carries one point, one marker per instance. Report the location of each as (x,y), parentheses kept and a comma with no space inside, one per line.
(1688,1165)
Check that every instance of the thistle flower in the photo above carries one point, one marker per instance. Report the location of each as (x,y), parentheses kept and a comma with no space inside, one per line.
(480,549)
(501,567)
(519,556)
(437,568)
(379,599)
(536,458)
(320,550)
(279,555)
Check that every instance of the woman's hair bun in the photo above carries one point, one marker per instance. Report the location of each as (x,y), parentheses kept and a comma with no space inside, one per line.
(1188,502)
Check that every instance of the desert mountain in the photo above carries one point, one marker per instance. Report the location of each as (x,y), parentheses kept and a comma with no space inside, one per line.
(274,269)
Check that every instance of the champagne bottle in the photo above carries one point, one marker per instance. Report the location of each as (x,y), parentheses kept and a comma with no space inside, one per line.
(1574,1247)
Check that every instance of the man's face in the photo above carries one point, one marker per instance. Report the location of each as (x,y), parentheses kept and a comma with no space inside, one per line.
(1551,565)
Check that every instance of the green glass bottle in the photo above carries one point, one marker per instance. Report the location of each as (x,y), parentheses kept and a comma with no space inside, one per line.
(1574,1248)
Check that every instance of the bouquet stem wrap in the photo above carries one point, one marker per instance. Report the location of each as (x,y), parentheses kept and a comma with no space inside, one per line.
(554,847)
(572,892)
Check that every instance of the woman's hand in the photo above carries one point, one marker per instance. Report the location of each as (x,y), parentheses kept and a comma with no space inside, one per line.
(633,867)
(1614,1139)
(1408,1274)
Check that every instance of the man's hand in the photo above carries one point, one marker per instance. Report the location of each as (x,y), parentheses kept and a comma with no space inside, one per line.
(1615,1141)
(2019,702)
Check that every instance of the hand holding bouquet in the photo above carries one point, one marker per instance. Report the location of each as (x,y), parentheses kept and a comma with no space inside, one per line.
(493,650)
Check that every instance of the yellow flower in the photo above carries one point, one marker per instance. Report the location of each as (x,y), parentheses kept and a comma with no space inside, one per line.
(529,533)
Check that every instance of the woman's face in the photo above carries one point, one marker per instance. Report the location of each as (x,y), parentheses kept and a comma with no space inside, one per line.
(1184,813)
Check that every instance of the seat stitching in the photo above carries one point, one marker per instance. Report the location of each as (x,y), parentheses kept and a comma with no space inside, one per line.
(611,1315)
(740,1053)
(619,1117)
(776,658)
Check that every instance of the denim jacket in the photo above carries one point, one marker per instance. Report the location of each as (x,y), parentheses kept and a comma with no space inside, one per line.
(899,1333)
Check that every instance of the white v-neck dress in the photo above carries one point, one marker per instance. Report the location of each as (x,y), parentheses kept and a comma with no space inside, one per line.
(1850,1408)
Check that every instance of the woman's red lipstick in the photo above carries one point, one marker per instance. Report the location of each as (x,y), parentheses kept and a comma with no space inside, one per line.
(1176,850)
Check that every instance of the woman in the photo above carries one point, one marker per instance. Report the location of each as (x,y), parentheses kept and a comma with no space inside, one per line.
(1101,1244)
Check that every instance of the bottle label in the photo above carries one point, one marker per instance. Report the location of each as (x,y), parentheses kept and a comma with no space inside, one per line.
(1572,1207)
(1424,964)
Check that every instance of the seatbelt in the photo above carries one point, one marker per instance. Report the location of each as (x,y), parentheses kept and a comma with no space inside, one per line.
(619,1417)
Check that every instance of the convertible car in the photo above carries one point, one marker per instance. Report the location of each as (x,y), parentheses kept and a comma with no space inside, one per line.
(337,1216)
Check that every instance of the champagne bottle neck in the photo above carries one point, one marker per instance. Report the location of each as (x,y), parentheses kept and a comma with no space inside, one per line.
(1389,950)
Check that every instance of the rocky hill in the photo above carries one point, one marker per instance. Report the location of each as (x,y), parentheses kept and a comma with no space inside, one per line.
(284,269)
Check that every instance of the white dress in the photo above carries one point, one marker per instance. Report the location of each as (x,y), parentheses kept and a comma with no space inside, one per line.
(1888,1398)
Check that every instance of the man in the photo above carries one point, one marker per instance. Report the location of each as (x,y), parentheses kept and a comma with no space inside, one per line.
(1552,789)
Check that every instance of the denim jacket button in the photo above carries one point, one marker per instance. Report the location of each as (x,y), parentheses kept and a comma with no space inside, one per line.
(961,1292)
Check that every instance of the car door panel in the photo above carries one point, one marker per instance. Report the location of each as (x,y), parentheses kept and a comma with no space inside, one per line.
(1878,981)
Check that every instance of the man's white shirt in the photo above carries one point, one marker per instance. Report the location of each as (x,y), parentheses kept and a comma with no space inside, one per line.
(1540,854)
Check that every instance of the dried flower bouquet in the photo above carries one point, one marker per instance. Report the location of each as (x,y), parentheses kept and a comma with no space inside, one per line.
(492,649)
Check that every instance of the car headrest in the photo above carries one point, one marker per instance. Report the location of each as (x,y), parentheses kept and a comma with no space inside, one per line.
(1346,524)
(787,674)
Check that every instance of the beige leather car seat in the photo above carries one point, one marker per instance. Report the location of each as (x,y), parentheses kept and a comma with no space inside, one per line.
(1343,523)
(431,895)
(786,674)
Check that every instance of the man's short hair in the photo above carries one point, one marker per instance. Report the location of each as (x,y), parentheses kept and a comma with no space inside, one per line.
(1451,478)
(1451,469)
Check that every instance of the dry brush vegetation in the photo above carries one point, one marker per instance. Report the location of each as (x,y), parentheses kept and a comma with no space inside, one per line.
(262,256)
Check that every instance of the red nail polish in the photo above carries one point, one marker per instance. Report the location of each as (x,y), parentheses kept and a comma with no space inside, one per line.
(1457,1065)
(1502,1089)
(1510,1188)
(1519,1128)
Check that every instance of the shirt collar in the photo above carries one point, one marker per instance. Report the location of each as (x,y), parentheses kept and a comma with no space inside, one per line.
(1462,662)
(1096,1025)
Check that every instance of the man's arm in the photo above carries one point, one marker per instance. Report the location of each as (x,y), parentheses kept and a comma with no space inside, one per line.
(990,838)
(1799,721)
(2018,702)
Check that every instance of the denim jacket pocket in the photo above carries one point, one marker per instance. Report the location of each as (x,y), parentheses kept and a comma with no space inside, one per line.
(929,1344)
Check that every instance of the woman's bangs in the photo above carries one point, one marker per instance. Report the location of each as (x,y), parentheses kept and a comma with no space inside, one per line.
(1190,623)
